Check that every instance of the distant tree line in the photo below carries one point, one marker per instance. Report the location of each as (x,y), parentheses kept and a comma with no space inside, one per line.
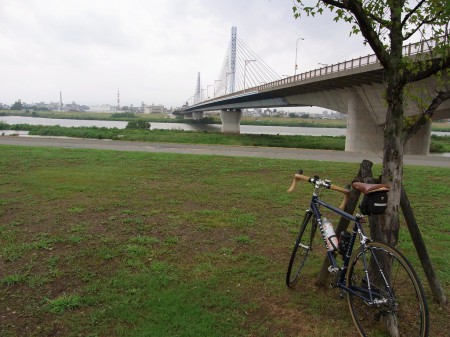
(19,106)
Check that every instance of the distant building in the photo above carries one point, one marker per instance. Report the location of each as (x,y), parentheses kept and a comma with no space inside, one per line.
(267,112)
(153,109)
(52,105)
(102,108)
(75,107)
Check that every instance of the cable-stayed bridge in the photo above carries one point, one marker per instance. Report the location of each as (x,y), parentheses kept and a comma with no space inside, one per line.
(241,69)
(354,87)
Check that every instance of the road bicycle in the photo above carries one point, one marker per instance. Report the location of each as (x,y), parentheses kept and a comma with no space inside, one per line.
(384,294)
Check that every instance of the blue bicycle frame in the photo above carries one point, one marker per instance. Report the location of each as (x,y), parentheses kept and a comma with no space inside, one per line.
(315,204)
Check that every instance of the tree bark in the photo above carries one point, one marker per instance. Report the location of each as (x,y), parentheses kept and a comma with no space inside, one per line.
(392,172)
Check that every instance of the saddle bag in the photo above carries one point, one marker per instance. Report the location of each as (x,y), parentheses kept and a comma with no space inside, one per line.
(374,203)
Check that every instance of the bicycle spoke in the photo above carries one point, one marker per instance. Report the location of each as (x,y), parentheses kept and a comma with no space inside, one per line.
(388,299)
(301,250)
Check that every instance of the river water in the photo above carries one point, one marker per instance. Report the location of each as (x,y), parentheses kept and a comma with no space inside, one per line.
(245,129)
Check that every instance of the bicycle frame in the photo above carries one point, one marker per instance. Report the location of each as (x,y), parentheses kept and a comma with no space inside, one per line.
(370,273)
(315,204)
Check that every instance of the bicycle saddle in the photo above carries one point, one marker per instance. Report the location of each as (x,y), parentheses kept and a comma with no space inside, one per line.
(369,188)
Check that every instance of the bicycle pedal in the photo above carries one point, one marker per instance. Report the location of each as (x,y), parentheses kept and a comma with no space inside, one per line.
(335,273)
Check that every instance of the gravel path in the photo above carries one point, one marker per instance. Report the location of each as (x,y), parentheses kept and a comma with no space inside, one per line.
(242,151)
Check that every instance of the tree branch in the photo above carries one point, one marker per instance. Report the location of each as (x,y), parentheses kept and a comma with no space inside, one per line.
(412,12)
(426,115)
(334,3)
(367,30)
(431,69)
(382,22)
(342,5)
(425,21)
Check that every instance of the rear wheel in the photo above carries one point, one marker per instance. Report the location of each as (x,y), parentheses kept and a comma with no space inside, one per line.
(388,299)
(301,249)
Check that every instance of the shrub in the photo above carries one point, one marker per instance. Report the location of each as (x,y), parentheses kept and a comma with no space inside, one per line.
(138,124)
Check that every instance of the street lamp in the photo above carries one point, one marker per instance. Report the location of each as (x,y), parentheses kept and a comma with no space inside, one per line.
(323,64)
(296,47)
(245,68)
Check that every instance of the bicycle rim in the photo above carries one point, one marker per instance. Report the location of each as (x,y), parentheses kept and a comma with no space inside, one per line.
(395,305)
(301,250)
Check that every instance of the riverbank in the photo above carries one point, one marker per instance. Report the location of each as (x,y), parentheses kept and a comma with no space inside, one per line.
(438,144)
(164,118)
(185,137)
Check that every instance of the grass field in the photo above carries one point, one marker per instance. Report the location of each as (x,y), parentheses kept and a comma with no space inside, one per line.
(103,243)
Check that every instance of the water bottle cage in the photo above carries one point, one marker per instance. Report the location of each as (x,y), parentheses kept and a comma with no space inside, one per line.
(329,239)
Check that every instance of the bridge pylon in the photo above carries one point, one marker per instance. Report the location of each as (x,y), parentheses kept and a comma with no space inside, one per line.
(198,91)
(232,84)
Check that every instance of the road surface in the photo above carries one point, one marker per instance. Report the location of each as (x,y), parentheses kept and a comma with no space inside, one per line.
(241,151)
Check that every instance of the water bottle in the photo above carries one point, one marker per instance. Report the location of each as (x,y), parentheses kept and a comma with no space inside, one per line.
(330,235)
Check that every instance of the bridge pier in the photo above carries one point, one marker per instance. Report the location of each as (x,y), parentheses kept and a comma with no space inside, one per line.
(420,142)
(231,120)
(365,129)
(194,115)
(197,115)
(363,133)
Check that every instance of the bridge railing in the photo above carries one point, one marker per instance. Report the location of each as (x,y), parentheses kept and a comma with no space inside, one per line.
(408,50)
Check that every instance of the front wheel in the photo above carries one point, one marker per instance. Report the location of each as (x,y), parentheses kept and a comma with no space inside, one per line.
(386,297)
(301,249)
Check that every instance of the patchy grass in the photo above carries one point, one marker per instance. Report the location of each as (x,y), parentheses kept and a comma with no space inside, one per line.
(104,243)
(63,303)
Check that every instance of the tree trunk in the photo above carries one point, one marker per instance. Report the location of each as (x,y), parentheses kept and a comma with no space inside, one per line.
(392,172)
(392,175)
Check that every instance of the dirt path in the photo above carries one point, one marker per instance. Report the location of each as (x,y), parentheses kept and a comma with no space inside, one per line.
(241,151)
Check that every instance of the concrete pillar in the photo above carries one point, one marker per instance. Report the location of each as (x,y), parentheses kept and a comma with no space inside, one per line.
(420,142)
(197,115)
(363,133)
(231,120)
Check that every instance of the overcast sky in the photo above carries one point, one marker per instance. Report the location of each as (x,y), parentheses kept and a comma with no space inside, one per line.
(150,49)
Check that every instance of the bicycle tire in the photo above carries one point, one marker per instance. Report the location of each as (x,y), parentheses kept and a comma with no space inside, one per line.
(301,250)
(402,307)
